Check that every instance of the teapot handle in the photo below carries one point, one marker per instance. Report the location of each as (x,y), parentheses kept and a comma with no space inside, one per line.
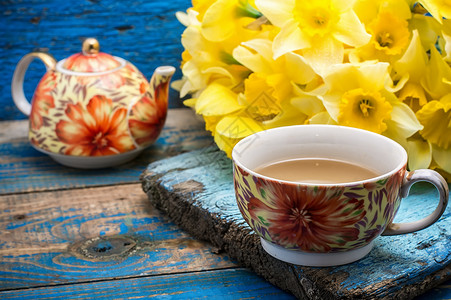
(17,83)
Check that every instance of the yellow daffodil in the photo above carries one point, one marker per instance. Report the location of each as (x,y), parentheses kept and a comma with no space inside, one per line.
(436,118)
(439,9)
(379,65)
(319,28)
(357,96)
(364,109)
(368,10)
(389,38)
(260,98)
(271,84)
(206,61)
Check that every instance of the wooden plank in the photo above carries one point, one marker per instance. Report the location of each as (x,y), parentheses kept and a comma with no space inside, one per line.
(196,191)
(92,234)
(22,168)
(222,284)
(146,33)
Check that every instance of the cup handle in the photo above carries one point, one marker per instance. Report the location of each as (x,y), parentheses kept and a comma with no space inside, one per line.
(412,177)
(17,83)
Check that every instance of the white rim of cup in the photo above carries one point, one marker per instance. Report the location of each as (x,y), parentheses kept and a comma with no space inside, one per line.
(344,184)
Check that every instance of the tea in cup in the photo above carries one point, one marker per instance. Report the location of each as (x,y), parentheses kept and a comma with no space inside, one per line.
(318,195)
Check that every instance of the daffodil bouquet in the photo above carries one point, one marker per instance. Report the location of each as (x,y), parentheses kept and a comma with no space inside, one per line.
(379,65)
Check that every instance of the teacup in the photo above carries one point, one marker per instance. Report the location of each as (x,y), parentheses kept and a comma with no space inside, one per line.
(326,224)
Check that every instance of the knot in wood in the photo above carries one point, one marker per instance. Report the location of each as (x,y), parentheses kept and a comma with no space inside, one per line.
(108,248)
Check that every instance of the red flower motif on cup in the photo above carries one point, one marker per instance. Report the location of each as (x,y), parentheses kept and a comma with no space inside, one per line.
(311,219)
(42,100)
(96,130)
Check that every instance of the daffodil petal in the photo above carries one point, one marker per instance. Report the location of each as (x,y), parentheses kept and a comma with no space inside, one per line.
(252,60)
(297,68)
(192,72)
(436,117)
(414,60)
(289,116)
(191,39)
(308,105)
(446,30)
(420,154)
(400,83)
(217,100)
(323,53)
(322,118)
(343,5)
(345,77)
(332,104)
(351,31)
(262,46)
(183,18)
(442,157)
(437,73)
(190,102)
(213,27)
(186,89)
(341,78)
(222,75)
(438,9)
(178,84)
(290,38)
(225,144)
(278,12)
(405,120)
(237,127)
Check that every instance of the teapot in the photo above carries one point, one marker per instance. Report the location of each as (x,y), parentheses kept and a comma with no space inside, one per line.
(92,109)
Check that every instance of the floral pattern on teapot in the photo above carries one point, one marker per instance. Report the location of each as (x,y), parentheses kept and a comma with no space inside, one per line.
(97,115)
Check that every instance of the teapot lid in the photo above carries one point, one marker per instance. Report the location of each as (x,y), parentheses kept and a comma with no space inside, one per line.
(91,60)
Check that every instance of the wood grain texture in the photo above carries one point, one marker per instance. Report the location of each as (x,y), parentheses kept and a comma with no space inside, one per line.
(223,284)
(22,168)
(198,186)
(146,33)
(63,237)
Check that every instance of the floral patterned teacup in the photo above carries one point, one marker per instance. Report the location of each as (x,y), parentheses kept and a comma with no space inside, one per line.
(326,224)
(92,110)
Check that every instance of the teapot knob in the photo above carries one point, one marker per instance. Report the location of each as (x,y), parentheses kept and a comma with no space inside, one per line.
(90,46)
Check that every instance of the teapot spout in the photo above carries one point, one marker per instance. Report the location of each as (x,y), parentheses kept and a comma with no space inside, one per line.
(160,85)
(164,71)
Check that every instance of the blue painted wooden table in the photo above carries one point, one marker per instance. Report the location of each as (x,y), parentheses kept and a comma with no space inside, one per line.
(67,233)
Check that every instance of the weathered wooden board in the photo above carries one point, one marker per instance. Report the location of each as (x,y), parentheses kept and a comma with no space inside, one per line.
(196,191)
(22,168)
(223,284)
(146,33)
(85,235)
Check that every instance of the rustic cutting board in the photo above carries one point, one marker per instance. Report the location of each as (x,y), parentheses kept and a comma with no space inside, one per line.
(195,190)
